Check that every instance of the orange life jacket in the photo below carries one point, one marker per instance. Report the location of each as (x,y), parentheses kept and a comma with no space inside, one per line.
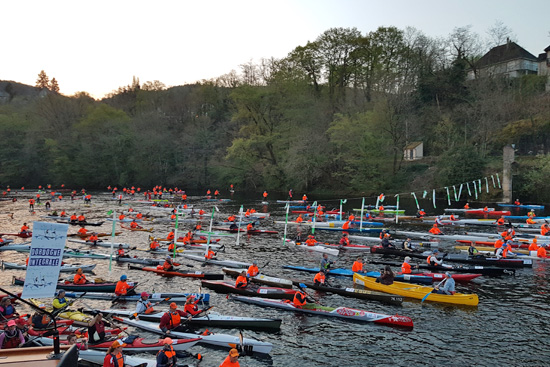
(299,299)
(253,270)
(319,278)
(406,268)
(79,279)
(357,267)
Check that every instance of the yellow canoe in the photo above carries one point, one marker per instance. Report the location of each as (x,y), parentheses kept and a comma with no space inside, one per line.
(78,317)
(414,291)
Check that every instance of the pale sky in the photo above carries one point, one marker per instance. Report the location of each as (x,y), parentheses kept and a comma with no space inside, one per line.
(97,46)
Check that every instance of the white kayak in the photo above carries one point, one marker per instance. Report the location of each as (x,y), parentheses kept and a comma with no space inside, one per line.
(229,263)
(219,340)
(67,268)
(303,246)
(101,243)
(26,246)
(261,278)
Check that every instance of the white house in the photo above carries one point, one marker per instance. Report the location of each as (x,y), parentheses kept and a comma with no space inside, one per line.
(413,151)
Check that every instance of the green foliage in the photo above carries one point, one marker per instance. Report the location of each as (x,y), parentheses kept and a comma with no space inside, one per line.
(459,165)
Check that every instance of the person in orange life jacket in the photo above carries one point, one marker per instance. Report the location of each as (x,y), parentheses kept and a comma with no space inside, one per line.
(517,202)
(433,260)
(6,308)
(447,286)
(168,264)
(344,241)
(120,251)
(93,238)
(265,195)
(166,357)
(81,218)
(384,234)
(79,277)
(253,270)
(311,241)
(300,219)
(144,305)
(304,198)
(40,320)
(421,213)
(300,297)
(406,266)
(207,192)
(171,320)
(534,246)
(63,213)
(209,254)
(114,357)
(531,214)
(485,209)
(134,225)
(139,216)
(170,236)
(505,251)
(541,252)
(452,217)
(346,225)
(231,218)
(11,337)
(232,360)
(500,221)
(121,217)
(122,288)
(545,229)
(171,246)
(24,229)
(188,238)
(83,232)
(73,218)
(381,208)
(201,212)
(319,278)
(467,206)
(357,266)
(155,245)
(250,227)
(435,230)
(96,329)
(31,204)
(191,305)
(530,220)
(241,281)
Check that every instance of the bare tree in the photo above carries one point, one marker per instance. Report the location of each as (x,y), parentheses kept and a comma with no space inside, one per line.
(499,34)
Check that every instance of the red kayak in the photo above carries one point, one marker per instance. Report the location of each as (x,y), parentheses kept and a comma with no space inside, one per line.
(21,235)
(457,277)
(350,247)
(250,290)
(489,213)
(12,299)
(178,273)
(489,243)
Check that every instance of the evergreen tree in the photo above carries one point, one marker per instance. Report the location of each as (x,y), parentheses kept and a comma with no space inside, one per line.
(54,86)
(43,82)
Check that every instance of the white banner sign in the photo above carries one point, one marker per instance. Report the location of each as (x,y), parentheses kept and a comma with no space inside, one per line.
(48,243)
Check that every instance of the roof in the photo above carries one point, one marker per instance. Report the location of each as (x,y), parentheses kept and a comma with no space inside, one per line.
(506,52)
(542,57)
(547,49)
(413,145)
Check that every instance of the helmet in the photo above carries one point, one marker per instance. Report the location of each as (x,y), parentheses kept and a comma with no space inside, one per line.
(302,285)
(123,277)
(167,341)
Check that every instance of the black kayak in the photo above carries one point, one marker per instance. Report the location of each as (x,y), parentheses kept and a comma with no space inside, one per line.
(492,272)
(86,223)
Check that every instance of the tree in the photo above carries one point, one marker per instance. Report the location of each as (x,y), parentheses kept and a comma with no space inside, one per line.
(43,82)
(499,34)
(54,86)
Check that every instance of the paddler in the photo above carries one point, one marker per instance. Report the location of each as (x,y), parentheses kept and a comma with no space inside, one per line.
(534,246)
(325,263)
(500,221)
(6,308)
(81,218)
(407,244)
(209,254)
(386,276)
(96,329)
(406,266)
(191,305)
(134,225)
(505,250)
(93,238)
(120,251)
(82,232)
(517,202)
(433,260)
(155,245)
(541,252)
(168,264)
(420,213)
(357,266)
(545,229)
(472,250)
(166,357)
(73,218)
(530,220)
(11,337)
(122,287)
(60,301)
(79,277)
(24,229)
(241,281)
(311,241)
(114,357)
(253,270)
(319,278)
(171,320)
(446,286)
(344,241)
(40,320)
(467,206)
(144,305)
(300,297)
(232,360)
(170,236)
(435,230)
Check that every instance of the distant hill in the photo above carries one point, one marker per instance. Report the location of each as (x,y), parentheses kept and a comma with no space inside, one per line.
(10,89)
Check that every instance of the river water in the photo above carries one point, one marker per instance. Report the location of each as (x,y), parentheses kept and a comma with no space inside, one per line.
(509,327)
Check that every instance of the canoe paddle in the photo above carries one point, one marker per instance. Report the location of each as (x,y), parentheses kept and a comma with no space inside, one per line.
(435,287)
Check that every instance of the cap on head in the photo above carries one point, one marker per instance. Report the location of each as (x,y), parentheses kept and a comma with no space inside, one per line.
(167,341)
(168,257)
(407,258)
(448,274)
(118,343)
(191,296)
(11,323)
(254,262)
(233,352)
(123,277)
(173,305)
(144,294)
(436,251)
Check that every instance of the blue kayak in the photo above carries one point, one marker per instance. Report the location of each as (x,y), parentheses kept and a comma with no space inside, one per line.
(421,279)
(521,206)
(354,230)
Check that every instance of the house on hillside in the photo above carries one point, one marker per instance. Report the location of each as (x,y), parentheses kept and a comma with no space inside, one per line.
(544,66)
(413,151)
(510,60)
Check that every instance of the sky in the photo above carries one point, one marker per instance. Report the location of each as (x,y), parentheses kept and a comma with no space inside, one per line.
(98,46)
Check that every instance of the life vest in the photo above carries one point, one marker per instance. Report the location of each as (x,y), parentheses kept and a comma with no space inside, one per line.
(9,310)
(40,321)
(154,245)
(357,267)
(299,299)
(209,255)
(168,353)
(191,308)
(79,279)
(120,252)
(170,236)
(253,271)
(121,288)
(167,265)
(11,341)
(541,252)
(406,268)
(319,278)
(345,225)
(242,281)
(114,360)
(175,320)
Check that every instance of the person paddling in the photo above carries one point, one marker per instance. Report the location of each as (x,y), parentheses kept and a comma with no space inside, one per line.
(11,337)
(114,357)
(241,281)
(191,305)
(168,264)
(96,329)
(446,286)
(300,297)
(79,277)
(326,263)
(166,357)
(433,260)
(406,266)
(357,266)
(144,305)
(232,359)
(172,320)
(122,287)
(320,278)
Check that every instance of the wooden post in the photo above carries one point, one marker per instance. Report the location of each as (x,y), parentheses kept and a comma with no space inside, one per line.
(508,156)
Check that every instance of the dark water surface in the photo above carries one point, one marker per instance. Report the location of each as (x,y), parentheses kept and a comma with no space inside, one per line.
(509,327)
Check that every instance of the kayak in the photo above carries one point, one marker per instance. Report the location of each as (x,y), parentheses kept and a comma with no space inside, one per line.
(350,247)
(84,254)
(124,220)
(155,297)
(456,268)
(20,235)
(523,206)
(21,247)
(492,243)
(67,268)
(135,344)
(304,246)
(417,292)
(250,290)
(489,213)
(89,287)
(441,276)
(218,340)
(356,293)
(135,260)
(97,357)
(351,230)
(179,273)
(228,263)
(243,230)
(211,320)
(340,312)
(491,249)
(261,278)
(102,234)
(386,211)
(77,317)
(85,223)
(137,229)
(348,273)
(102,243)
